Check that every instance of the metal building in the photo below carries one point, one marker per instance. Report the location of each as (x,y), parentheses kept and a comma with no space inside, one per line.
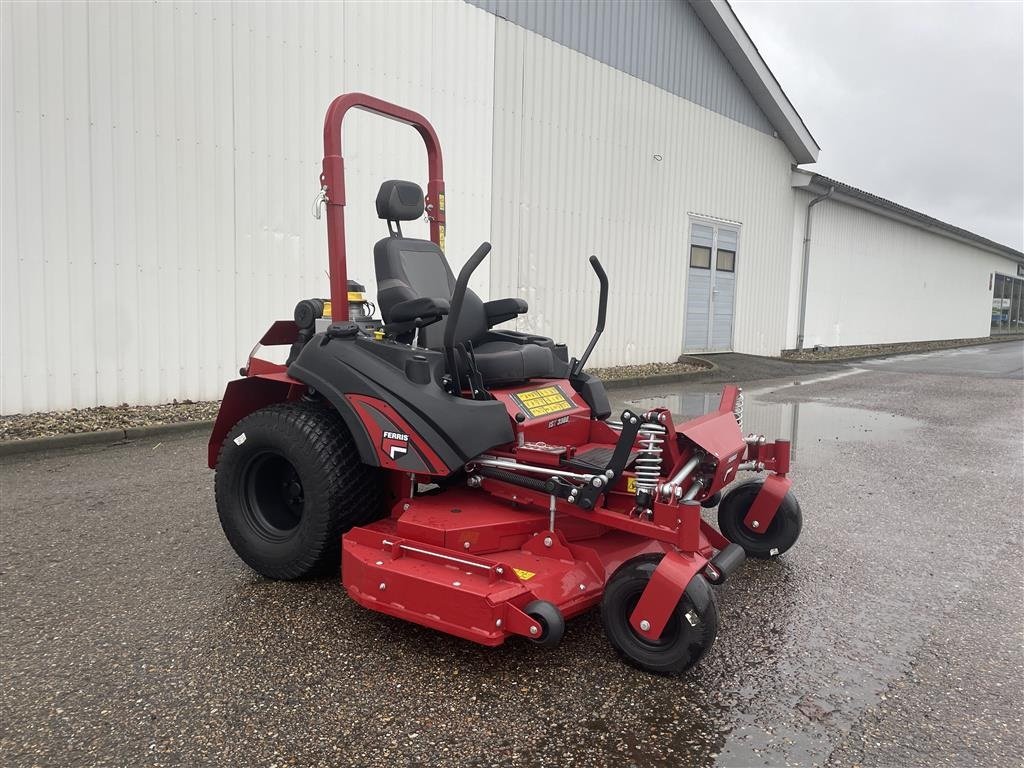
(160,159)
(878,272)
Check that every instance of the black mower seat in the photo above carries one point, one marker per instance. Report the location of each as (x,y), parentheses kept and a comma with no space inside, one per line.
(408,269)
(501,362)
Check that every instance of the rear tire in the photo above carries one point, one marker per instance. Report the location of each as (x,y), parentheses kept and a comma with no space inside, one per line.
(289,482)
(781,534)
(689,634)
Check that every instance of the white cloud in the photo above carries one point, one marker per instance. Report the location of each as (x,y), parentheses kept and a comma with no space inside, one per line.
(922,103)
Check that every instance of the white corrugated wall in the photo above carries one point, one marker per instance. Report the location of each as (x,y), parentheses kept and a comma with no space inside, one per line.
(575,174)
(159,164)
(875,280)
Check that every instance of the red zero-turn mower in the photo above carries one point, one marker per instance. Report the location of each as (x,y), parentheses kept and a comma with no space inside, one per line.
(469,476)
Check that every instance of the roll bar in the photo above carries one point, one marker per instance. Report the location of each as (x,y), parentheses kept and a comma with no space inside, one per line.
(332,184)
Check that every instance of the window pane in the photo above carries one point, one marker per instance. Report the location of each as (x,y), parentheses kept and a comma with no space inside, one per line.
(997,303)
(1017,307)
(725,261)
(700,256)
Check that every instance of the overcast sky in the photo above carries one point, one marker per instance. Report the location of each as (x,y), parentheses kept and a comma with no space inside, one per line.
(921,103)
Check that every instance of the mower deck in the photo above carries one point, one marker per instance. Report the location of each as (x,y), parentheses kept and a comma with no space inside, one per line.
(467,563)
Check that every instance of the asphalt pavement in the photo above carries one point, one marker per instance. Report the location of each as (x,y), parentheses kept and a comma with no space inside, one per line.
(891,634)
(1000,361)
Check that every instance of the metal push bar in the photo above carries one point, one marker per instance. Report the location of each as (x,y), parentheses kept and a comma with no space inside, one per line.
(332,183)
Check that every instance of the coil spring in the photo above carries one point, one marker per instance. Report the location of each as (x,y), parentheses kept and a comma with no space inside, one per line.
(648,463)
(737,409)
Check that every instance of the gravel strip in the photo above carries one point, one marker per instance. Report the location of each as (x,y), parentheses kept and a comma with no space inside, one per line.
(29,425)
(645,370)
(876,350)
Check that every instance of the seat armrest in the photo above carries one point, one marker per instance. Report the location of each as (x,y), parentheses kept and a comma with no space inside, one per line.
(423,308)
(501,310)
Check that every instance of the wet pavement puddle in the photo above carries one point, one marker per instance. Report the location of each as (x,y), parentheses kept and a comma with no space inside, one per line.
(810,425)
(809,676)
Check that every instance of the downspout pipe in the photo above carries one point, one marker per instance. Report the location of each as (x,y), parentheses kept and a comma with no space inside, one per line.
(801,325)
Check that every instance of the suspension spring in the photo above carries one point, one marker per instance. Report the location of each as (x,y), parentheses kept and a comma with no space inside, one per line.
(648,463)
(737,409)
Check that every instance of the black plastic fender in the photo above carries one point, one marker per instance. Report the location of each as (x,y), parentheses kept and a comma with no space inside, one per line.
(386,390)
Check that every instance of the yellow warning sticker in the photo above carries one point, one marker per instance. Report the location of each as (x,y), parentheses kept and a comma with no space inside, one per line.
(543,402)
(630,485)
(524,575)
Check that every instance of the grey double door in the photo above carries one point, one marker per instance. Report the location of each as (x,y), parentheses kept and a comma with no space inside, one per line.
(710,288)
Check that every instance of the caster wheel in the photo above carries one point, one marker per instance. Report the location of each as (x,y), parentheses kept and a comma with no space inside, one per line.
(688,635)
(551,621)
(712,501)
(781,534)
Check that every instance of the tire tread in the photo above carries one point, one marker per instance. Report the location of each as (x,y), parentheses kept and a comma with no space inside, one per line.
(352,491)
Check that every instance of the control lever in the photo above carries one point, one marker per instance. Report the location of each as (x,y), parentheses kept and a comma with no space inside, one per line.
(458,296)
(602,311)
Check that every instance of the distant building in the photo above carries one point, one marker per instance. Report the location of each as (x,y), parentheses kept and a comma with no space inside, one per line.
(160,161)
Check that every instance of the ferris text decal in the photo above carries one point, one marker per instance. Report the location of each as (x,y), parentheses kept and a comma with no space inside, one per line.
(543,402)
(395,444)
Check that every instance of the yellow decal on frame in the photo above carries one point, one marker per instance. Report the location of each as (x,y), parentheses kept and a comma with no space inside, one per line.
(543,402)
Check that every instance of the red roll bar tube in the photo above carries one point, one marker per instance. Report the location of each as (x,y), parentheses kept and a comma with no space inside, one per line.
(332,182)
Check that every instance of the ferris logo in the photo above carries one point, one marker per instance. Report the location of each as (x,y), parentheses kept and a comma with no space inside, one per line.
(395,444)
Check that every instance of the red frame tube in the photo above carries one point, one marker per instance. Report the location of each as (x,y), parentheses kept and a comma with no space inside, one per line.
(332,181)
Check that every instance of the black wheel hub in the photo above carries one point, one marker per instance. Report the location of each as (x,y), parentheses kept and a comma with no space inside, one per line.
(669,635)
(272,496)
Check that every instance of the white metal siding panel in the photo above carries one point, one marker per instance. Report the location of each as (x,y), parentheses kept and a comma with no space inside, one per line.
(159,161)
(874,280)
(13,288)
(662,42)
(575,174)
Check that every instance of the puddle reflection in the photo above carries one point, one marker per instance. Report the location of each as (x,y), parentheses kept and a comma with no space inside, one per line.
(808,425)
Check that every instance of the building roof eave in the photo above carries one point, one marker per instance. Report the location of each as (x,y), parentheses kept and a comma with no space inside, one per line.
(728,33)
(817,184)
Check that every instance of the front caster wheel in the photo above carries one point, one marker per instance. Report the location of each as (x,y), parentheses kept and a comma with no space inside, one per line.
(688,635)
(781,534)
(712,501)
(550,623)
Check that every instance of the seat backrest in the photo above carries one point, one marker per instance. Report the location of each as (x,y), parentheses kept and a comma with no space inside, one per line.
(409,268)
